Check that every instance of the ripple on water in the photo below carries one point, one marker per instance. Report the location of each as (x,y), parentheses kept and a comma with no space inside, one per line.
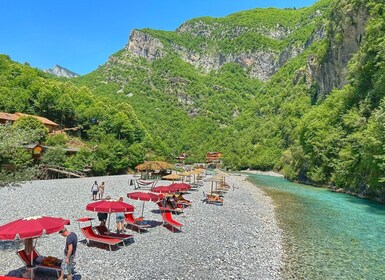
(327,235)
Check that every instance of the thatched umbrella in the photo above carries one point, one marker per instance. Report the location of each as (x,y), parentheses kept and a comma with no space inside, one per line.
(212,180)
(194,172)
(186,174)
(153,165)
(172,177)
(222,174)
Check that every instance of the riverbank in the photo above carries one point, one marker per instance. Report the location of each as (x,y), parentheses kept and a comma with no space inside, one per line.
(239,240)
(268,173)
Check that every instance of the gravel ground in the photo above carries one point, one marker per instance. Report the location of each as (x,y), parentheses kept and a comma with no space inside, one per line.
(239,240)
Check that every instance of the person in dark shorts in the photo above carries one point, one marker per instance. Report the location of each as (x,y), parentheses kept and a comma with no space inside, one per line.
(102,218)
(94,190)
(67,264)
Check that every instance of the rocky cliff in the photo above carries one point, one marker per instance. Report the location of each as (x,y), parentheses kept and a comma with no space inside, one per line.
(213,37)
(59,71)
(347,29)
(145,45)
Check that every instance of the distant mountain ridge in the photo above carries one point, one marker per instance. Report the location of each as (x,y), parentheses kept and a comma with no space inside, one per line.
(60,71)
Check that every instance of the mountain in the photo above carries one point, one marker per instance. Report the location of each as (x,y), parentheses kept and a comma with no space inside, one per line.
(300,91)
(290,89)
(60,71)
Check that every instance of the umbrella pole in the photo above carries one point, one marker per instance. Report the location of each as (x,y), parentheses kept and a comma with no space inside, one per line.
(33,249)
(109,215)
(31,255)
(143,208)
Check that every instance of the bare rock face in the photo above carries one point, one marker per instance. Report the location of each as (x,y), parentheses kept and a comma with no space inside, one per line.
(324,73)
(345,39)
(262,64)
(145,45)
(59,71)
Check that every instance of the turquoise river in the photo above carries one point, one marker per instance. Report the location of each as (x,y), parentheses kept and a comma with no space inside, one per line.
(327,235)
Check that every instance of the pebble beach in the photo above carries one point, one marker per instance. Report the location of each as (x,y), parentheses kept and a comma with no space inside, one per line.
(239,240)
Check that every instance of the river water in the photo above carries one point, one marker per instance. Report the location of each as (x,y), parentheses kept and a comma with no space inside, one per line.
(327,235)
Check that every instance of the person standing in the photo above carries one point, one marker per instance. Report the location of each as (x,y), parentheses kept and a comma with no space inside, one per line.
(67,264)
(120,220)
(102,218)
(101,190)
(94,190)
(28,248)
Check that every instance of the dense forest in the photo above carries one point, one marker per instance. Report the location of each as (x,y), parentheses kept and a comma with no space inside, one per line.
(300,91)
(111,137)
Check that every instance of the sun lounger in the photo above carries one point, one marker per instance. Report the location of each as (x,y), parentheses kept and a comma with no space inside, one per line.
(26,259)
(168,220)
(90,235)
(214,199)
(103,231)
(177,210)
(135,223)
(180,200)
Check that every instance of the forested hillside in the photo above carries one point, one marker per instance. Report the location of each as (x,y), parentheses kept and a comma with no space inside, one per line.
(296,90)
(286,89)
(112,137)
(196,94)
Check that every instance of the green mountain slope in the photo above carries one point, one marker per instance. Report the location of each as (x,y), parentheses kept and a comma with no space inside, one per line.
(115,138)
(190,88)
(299,91)
(286,89)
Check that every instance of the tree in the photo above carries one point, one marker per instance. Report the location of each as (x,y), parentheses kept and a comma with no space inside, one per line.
(33,126)
(54,156)
(15,161)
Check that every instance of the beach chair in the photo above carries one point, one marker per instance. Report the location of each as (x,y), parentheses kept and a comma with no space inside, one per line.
(177,210)
(26,259)
(168,220)
(135,223)
(103,231)
(90,235)
(213,199)
(180,200)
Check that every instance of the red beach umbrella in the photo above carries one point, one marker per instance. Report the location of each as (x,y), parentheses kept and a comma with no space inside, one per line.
(144,196)
(180,186)
(163,189)
(32,227)
(109,206)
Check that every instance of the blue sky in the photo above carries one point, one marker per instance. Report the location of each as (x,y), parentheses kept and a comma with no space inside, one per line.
(81,34)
